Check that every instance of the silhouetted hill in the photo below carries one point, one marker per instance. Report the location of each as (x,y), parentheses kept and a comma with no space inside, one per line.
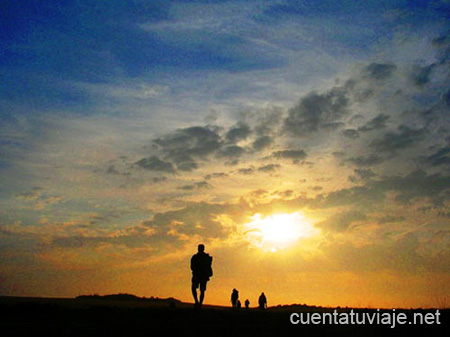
(129,315)
(127,297)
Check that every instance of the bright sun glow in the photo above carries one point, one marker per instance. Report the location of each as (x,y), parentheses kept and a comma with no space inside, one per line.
(278,231)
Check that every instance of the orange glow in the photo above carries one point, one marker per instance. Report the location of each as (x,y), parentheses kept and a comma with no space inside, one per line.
(277,231)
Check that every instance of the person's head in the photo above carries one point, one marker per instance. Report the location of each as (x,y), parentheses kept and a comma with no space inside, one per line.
(201,248)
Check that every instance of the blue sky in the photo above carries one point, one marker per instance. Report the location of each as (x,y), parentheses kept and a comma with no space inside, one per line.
(50,45)
(131,130)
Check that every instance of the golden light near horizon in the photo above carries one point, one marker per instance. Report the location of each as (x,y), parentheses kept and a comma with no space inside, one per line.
(278,231)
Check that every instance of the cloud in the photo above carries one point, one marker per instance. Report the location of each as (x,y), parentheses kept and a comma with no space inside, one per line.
(246,171)
(440,157)
(390,219)
(38,199)
(238,133)
(269,168)
(181,148)
(379,71)
(414,186)
(342,221)
(196,141)
(196,219)
(364,161)
(420,76)
(362,174)
(195,186)
(295,155)
(394,141)
(262,143)
(216,175)
(153,163)
(231,151)
(351,133)
(159,179)
(317,111)
(34,194)
(378,122)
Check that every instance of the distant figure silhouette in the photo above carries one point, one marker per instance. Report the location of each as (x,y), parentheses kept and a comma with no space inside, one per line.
(247,303)
(239,304)
(234,298)
(262,301)
(201,266)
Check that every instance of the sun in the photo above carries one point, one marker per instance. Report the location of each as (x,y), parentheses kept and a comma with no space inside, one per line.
(278,231)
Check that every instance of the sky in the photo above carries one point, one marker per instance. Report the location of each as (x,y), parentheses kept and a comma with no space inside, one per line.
(305,143)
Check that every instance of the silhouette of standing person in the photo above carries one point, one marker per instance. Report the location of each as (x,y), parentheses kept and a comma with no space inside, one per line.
(247,303)
(201,266)
(262,301)
(234,298)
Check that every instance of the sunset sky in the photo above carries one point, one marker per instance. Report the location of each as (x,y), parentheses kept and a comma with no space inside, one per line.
(305,143)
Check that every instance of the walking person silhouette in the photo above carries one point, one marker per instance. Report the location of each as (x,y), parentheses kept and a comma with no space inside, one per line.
(201,266)
(234,298)
(262,301)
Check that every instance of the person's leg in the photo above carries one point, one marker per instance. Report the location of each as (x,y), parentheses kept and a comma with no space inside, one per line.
(202,291)
(202,296)
(194,292)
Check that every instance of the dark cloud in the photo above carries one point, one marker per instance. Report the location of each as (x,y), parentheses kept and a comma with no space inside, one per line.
(389,219)
(441,40)
(165,230)
(342,221)
(379,122)
(284,194)
(197,218)
(246,171)
(231,151)
(259,193)
(393,141)
(153,163)
(112,170)
(199,185)
(240,132)
(159,179)
(379,71)
(351,133)
(262,142)
(440,157)
(421,75)
(447,98)
(364,161)
(183,146)
(269,168)
(186,163)
(33,194)
(417,185)
(216,175)
(316,111)
(194,141)
(357,195)
(295,155)
(362,174)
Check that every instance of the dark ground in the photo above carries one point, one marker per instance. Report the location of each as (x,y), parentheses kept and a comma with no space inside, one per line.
(97,317)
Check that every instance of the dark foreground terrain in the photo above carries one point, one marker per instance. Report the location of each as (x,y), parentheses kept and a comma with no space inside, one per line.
(90,316)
